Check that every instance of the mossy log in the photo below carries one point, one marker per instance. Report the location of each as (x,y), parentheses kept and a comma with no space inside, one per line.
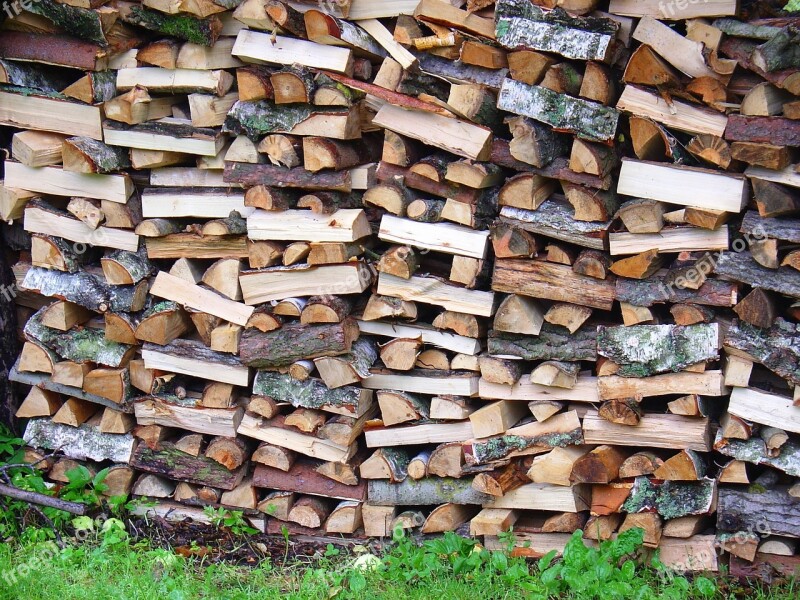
(181,26)
(85,155)
(174,464)
(296,342)
(425,492)
(522,25)
(644,350)
(672,499)
(556,432)
(552,343)
(754,451)
(80,443)
(82,23)
(258,118)
(94,88)
(310,393)
(781,51)
(656,290)
(777,348)
(743,268)
(766,512)
(84,345)
(586,119)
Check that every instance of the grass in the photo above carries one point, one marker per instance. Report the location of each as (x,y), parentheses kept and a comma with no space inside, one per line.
(108,564)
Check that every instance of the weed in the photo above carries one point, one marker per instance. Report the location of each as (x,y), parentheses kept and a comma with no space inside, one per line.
(232,520)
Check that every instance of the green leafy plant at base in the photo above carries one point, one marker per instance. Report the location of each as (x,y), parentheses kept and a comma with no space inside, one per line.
(229,519)
(792,6)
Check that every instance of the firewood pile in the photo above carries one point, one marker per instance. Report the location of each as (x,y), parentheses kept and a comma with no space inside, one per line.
(361,265)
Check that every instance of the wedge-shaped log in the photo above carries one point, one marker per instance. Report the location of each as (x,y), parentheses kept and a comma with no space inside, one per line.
(205,203)
(764,408)
(522,25)
(540,279)
(679,115)
(58,182)
(256,47)
(441,237)
(584,391)
(168,134)
(195,359)
(701,188)
(453,135)
(345,225)
(708,383)
(171,287)
(644,350)
(279,283)
(212,421)
(651,8)
(274,432)
(50,114)
(350,401)
(424,381)
(586,119)
(654,430)
(430,290)
(267,350)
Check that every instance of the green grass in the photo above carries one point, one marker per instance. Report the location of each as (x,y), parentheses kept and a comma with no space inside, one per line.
(107,564)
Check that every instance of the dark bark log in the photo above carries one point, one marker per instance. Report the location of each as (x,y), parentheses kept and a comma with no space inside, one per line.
(387,173)
(296,342)
(557,169)
(552,343)
(655,290)
(741,50)
(779,229)
(174,464)
(741,267)
(777,348)
(768,512)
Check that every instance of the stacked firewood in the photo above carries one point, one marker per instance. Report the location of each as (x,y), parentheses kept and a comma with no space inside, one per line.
(369,265)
